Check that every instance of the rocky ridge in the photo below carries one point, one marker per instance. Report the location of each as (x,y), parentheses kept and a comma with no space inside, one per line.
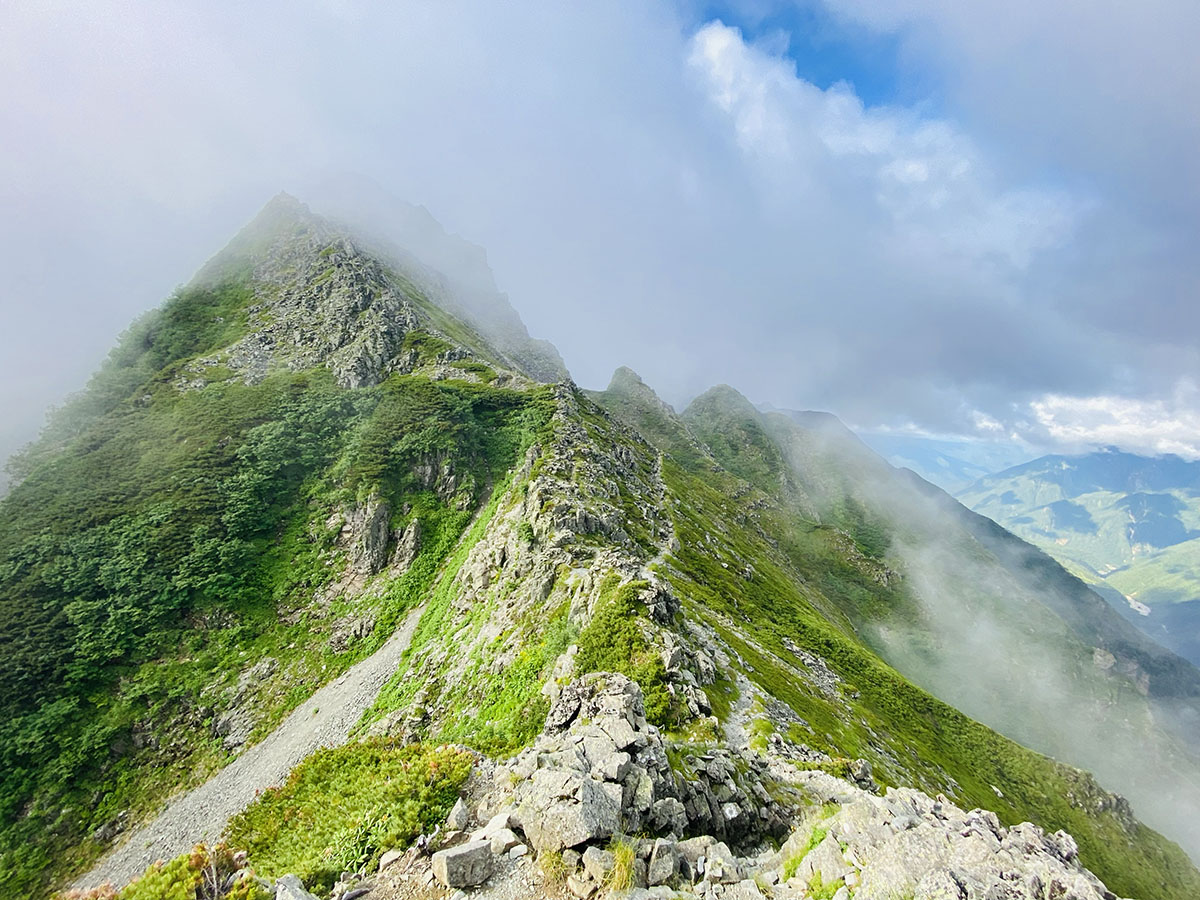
(594,809)
(322,298)
(687,783)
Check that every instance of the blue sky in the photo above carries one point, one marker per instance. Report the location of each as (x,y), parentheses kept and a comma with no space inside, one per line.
(828,49)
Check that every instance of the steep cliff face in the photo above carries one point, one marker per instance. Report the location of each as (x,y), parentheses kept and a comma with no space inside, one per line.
(247,507)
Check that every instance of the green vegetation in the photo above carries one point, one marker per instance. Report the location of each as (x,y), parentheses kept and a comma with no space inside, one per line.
(499,715)
(341,808)
(804,587)
(818,889)
(161,542)
(613,641)
(817,833)
(624,851)
(760,730)
(427,346)
(928,743)
(201,874)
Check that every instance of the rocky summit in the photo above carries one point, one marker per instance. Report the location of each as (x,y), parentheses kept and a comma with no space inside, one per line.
(333,584)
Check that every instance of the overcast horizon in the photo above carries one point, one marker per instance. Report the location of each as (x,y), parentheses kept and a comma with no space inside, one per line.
(925,217)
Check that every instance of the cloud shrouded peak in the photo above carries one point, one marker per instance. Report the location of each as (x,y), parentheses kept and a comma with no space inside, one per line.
(651,187)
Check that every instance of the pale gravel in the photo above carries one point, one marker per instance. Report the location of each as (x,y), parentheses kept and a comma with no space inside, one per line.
(323,720)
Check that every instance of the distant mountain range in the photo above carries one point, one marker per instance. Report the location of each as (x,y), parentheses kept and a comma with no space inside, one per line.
(1129,525)
(953,464)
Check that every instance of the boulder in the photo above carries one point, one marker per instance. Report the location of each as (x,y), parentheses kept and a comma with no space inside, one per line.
(824,860)
(664,862)
(464,866)
(743,890)
(720,866)
(503,841)
(460,816)
(290,887)
(581,887)
(566,812)
(598,864)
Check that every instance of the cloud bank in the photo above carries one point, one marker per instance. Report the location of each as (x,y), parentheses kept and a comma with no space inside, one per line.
(654,187)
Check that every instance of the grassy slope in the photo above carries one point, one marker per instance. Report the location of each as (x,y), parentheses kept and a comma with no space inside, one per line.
(1099,545)
(803,589)
(151,519)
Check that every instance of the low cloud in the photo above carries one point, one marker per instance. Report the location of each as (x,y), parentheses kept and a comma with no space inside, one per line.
(653,188)
(1144,426)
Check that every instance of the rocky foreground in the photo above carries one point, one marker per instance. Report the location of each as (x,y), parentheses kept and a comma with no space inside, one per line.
(602,806)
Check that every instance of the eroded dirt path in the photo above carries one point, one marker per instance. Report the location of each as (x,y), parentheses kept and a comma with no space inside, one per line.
(323,720)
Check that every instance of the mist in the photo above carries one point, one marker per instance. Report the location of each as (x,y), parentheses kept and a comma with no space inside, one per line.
(988,639)
(812,202)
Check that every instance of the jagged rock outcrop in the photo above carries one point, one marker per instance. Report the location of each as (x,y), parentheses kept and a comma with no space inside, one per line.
(326,296)
(599,794)
(599,769)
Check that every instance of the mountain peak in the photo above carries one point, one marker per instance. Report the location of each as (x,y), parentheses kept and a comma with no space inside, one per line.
(627,383)
(722,399)
(316,292)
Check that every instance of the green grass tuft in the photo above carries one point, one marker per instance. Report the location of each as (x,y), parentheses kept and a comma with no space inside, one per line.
(341,808)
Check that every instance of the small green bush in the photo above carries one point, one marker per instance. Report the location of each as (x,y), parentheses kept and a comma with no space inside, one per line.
(198,875)
(341,808)
(613,641)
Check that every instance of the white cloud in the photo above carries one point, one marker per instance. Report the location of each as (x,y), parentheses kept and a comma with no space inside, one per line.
(928,179)
(1152,426)
(650,190)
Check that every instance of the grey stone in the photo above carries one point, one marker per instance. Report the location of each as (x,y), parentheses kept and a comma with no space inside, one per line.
(613,767)
(503,841)
(621,732)
(290,887)
(745,889)
(693,848)
(826,860)
(664,862)
(668,814)
(407,546)
(460,817)
(639,874)
(938,886)
(463,866)
(502,821)
(598,863)
(554,822)
(720,866)
(580,887)
(367,527)
(389,858)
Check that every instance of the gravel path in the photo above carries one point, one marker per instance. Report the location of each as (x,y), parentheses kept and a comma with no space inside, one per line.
(323,720)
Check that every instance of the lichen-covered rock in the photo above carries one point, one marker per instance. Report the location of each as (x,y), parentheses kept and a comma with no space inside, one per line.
(664,862)
(365,528)
(464,866)
(408,544)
